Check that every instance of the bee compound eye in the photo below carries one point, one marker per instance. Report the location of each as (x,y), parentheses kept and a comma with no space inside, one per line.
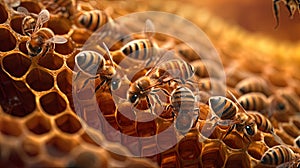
(115,85)
(249,130)
(133,98)
(281,106)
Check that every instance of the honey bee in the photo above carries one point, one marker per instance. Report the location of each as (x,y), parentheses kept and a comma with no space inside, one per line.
(91,63)
(263,124)
(277,155)
(183,104)
(140,49)
(254,101)
(41,39)
(291,5)
(227,113)
(223,107)
(179,70)
(92,20)
(253,84)
(146,85)
(28,22)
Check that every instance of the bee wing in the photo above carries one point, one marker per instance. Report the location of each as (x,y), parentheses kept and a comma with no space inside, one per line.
(168,55)
(22,10)
(235,99)
(108,52)
(43,17)
(149,28)
(58,40)
(13,3)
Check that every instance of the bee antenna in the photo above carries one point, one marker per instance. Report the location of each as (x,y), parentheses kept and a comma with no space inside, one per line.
(235,99)
(109,55)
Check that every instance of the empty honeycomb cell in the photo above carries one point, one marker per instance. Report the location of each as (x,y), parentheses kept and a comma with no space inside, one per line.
(8,41)
(15,98)
(238,160)
(145,129)
(53,103)
(31,147)
(106,103)
(59,25)
(66,48)
(3,14)
(68,123)
(31,6)
(125,115)
(22,47)
(235,141)
(80,36)
(51,61)
(64,81)
(14,159)
(16,24)
(291,130)
(256,150)
(213,155)
(111,129)
(38,125)
(170,158)
(16,64)
(71,60)
(10,127)
(270,141)
(39,80)
(189,148)
(58,146)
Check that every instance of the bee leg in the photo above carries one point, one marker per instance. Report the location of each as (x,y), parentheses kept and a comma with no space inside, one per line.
(149,104)
(229,131)
(100,85)
(290,10)
(276,12)
(87,80)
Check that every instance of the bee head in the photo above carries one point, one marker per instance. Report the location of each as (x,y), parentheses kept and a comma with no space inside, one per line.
(33,50)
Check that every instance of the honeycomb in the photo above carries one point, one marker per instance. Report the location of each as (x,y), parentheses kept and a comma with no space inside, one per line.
(39,126)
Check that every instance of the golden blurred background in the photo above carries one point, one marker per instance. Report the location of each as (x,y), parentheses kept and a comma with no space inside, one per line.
(256,16)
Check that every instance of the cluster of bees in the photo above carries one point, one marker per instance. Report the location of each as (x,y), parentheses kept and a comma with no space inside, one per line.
(164,72)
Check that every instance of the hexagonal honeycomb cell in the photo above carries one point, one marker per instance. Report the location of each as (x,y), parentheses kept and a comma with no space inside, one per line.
(45,122)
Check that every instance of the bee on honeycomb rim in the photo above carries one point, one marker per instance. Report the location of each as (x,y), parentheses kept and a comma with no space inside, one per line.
(152,81)
(89,62)
(241,121)
(42,39)
(184,108)
(280,155)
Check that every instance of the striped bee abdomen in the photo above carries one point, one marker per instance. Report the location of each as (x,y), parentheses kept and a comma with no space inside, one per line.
(89,62)
(277,155)
(223,107)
